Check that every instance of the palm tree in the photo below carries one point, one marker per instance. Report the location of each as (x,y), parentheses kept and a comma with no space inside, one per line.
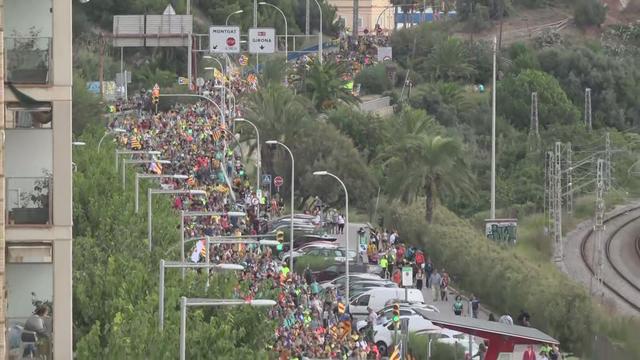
(427,165)
(449,61)
(326,84)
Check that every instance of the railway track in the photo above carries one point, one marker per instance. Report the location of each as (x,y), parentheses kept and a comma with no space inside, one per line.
(618,272)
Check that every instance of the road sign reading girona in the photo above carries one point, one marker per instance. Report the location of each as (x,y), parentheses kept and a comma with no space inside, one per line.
(262,40)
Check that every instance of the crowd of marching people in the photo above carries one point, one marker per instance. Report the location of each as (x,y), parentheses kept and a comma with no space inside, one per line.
(198,144)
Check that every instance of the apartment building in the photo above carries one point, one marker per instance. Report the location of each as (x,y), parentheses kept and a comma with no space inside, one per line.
(35,168)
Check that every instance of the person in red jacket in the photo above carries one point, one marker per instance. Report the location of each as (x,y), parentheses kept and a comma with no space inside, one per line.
(529,354)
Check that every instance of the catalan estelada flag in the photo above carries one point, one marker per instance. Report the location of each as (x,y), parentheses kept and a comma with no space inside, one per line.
(135,143)
(156,168)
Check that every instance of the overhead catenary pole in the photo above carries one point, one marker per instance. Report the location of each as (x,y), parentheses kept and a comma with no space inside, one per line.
(587,109)
(598,229)
(493,133)
(557,211)
(569,196)
(608,165)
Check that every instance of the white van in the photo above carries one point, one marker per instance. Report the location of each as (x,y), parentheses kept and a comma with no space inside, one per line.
(377,298)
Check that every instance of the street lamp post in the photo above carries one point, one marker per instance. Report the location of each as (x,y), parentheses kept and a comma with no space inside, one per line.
(152,176)
(493,133)
(182,265)
(186,302)
(286,29)
(184,214)
(110,132)
(259,157)
(150,192)
(320,35)
(346,210)
(133,152)
(275,142)
(145,161)
(226,22)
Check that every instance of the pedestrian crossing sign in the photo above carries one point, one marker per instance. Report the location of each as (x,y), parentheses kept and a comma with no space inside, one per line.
(266,179)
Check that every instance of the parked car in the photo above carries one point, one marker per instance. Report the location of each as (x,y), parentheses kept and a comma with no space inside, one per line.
(352,276)
(383,333)
(306,247)
(386,313)
(377,298)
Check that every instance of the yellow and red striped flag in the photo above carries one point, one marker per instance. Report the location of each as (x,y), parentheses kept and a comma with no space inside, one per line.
(135,143)
(395,355)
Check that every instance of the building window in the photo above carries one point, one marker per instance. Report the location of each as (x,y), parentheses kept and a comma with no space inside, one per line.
(29,285)
(27,40)
(28,164)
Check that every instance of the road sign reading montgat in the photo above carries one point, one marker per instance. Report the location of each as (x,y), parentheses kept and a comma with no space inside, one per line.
(224,39)
(262,40)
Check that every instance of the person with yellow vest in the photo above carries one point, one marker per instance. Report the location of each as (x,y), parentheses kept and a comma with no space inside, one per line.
(384,263)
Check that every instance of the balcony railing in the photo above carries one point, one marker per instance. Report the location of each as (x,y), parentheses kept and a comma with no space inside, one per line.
(28,200)
(28,60)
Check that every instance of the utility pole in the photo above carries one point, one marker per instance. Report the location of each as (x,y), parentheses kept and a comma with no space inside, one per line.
(550,191)
(306,19)
(557,206)
(356,3)
(607,159)
(546,196)
(569,198)
(587,109)
(534,134)
(492,213)
(598,229)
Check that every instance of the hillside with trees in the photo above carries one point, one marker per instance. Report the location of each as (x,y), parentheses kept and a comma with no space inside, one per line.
(429,161)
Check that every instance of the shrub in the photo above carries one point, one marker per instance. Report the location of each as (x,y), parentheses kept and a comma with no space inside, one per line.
(589,13)
(374,79)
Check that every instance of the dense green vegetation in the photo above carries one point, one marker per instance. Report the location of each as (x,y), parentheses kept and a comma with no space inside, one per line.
(115,283)
(430,161)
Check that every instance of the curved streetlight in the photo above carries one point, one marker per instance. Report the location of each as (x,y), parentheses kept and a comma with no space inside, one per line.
(275,142)
(226,22)
(108,132)
(286,29)
(346,198)
(320,35)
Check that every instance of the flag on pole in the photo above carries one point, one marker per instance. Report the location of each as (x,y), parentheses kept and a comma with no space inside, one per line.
(395,355)
(200,250)
(135,143)
(217,74)
(156,168)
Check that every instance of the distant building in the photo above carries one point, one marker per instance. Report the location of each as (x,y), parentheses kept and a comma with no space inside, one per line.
(36,169)
(368,13)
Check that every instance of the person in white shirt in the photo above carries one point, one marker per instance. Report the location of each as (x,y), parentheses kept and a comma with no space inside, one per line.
(392,237)
(340,224)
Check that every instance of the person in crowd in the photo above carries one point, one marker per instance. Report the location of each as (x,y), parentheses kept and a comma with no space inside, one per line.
(482,350)
(340,224)
(523,318)
(458,306)
(444,286)
(506,319)
(419,279)
(428,268)
(434,280)
(475,306)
